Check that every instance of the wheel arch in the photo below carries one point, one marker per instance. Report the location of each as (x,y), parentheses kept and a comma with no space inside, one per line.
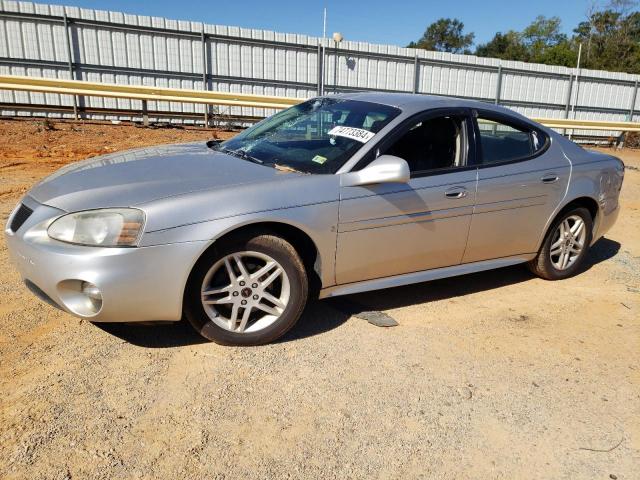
(296,236)
(589,203)
(585,201)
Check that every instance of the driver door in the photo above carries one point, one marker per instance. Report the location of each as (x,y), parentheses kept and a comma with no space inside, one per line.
(392,229)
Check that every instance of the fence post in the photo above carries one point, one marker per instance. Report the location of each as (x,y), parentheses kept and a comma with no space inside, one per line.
(320,87)
(145,114)
(577,97)
(70,61)
(205,74)
(567,104)
(632,109)
(416,73)
(569,92)
(623,135)
(499,85)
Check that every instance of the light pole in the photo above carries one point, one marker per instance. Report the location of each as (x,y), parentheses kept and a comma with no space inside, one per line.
(337,38)
(324,24)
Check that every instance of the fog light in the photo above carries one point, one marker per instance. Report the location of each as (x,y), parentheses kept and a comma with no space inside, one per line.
(90,290)
(93,294)
(80,297)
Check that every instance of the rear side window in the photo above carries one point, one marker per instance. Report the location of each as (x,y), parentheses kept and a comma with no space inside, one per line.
(501,142)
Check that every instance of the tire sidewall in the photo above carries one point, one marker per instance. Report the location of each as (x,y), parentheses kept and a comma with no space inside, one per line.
(546,248)
(196,315)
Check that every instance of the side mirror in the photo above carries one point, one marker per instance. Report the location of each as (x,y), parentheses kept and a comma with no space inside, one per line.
(384,169)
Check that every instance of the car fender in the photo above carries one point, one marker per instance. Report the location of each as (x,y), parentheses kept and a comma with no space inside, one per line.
(317,221)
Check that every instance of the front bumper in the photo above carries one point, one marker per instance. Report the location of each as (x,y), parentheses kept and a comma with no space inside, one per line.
(137,284)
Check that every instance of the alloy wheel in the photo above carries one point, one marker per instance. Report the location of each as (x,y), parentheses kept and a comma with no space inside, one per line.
(245,292)
(568,242)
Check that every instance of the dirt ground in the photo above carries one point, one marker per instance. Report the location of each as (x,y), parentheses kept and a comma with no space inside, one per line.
(497,375)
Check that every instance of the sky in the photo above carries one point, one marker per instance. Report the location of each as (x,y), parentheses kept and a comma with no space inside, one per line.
(376,21)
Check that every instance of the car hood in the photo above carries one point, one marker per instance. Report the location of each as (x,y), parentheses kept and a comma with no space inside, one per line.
(143,175)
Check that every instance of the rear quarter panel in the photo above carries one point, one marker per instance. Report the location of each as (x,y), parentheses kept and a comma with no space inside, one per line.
(597,176)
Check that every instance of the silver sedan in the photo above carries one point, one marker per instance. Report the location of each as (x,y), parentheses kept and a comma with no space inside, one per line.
(336,195)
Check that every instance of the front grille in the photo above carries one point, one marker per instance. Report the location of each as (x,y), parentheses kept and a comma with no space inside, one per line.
(20,217)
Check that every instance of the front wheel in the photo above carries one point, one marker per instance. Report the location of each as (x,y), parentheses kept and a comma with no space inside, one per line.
(565,246)
(249,292)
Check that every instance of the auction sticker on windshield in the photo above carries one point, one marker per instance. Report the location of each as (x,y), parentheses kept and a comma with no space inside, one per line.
(353,133)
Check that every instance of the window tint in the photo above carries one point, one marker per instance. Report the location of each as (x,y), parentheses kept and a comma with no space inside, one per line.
(431,144)
(501,142)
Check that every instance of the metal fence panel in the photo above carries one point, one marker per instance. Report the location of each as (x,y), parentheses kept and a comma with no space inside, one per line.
(115,47)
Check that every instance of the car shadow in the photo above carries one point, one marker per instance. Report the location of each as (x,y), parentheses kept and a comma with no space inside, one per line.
(602,250)
(325,315)
(338,310)
(154,335)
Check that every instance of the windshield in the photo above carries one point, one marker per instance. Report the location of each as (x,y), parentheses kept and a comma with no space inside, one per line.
(317,136)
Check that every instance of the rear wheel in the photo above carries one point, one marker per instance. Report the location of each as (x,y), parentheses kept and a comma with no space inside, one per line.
(565,246)
(249,292)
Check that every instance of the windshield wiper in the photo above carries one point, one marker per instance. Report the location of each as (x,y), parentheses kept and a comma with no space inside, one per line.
(242,154)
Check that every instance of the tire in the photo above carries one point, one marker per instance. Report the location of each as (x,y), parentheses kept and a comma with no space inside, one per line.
(213,294)
(548,263)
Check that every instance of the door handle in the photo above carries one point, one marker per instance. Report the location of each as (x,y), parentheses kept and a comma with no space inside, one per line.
(550,178)
(456,192)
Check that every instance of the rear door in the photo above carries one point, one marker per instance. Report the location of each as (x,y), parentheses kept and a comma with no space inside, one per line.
(521,181)
(391,229)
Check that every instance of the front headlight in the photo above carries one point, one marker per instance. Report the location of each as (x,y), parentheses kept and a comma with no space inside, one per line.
(108,227)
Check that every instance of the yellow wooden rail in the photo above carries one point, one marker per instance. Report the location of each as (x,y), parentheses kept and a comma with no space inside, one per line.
(143,92)
(577,124)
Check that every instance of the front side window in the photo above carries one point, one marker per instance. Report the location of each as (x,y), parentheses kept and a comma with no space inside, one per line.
(502,143)
(433,144)
(317,136)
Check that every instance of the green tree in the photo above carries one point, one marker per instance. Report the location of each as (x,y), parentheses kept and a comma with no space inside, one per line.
(541,42)
(611,40)
(445,35)
(542,37)
(507,46)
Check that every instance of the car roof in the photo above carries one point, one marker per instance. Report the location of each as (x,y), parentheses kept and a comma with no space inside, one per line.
(412,102)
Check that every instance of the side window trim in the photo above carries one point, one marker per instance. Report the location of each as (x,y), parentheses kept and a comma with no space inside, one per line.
(509,121)
(468,140)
